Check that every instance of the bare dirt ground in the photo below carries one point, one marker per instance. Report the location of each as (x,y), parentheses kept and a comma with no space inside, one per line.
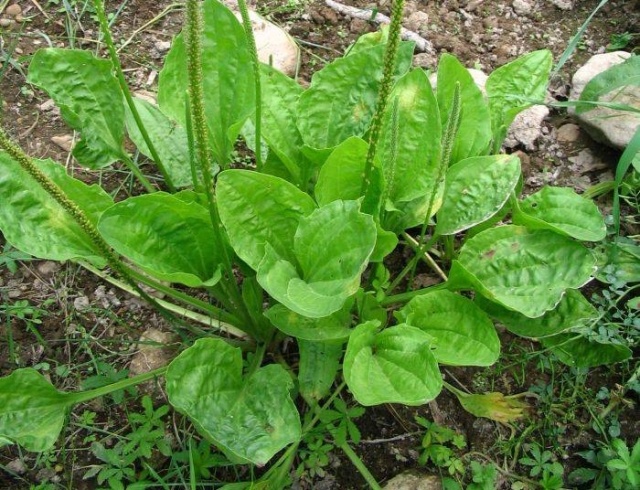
(77,324)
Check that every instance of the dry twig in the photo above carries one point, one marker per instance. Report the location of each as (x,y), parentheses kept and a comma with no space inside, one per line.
(421,43)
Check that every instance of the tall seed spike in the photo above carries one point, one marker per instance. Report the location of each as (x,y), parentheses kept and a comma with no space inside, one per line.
(389,64)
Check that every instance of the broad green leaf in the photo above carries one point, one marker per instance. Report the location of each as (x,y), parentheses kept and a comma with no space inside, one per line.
(514,87)
(581,352)
(166,236)
(461,333)
(280,96)
(341,99)
(547,209)
(341,176)
(524,270)
(474,132)
(252,418)
(319,364)
(89,98)
(168,138)
(619,263)
(32,411)
(574,310)
(392,366)
(621,75)
(229,93)
(476,189)
(369,40)
(257,210)
(336,326)
(332,246)
(33,222)
(409,150)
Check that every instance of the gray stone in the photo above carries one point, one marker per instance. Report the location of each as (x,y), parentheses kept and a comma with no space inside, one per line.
(156,349)
(424,60)
(522,7)
(568,133)
(527,127)
(48,267)
(563,4)
(81,303)
(418,22)
(13,10)
(609,126)
(64,141)
(162,46)
(274,45)
(413,481)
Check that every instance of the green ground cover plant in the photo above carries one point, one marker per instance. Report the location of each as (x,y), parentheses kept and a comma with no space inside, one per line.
(295,245)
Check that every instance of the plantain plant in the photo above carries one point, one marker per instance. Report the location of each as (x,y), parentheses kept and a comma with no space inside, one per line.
(366,157)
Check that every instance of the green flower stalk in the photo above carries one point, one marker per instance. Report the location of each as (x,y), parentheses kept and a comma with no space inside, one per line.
(196,92)
(246,24)
(389,65)
(227,290)
(113,55)
(15,152)
(448,140)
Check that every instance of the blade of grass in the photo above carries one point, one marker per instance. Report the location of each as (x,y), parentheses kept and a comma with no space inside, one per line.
(571,47)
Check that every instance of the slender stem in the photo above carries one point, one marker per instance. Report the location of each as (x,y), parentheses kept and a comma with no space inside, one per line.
(193,160)
(215,318)
(84,396)
(360,466)
(228,284)
(246,24)
(135,170)
(448,140)
(413,243)
(404,297)
(115,61)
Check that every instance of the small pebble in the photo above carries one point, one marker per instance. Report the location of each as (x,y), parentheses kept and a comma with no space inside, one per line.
(65,141)
(13,10)
(81,303)
(163,46)
(568,133)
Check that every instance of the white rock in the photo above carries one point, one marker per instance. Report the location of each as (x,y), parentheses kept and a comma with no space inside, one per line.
(418,21)
(81,303)
(13,10)
(568,133)
(527,127)
(65,141)
(47,105)
(563,4)
(612,127)
(155,350)
(274,45)
(162,46)
(48,267)
(522,7)
(17,466)
(413,481)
